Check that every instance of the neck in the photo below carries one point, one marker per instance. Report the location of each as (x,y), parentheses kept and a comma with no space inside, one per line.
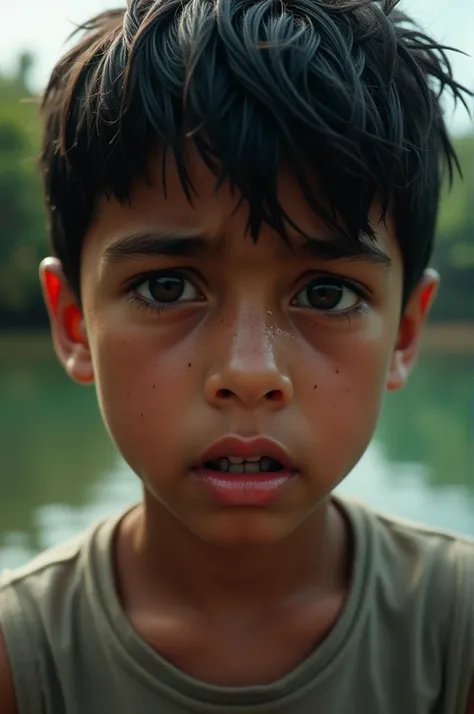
(158,554)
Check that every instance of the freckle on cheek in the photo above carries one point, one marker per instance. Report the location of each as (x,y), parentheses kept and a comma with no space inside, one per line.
(315,386)
(190,364)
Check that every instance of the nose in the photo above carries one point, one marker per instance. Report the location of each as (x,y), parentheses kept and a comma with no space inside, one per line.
(247,371)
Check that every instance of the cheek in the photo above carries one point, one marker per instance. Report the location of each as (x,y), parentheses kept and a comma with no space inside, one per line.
(345,383)
(360,373)
(143,389)
(358,395)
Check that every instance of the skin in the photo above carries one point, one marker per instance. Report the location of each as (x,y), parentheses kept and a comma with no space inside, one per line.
(243,354)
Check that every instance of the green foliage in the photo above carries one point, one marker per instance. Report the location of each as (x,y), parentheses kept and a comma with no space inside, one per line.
(23,219)
(454,254)
(457,208)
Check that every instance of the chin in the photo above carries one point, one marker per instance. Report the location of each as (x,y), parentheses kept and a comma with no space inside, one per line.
(245,527)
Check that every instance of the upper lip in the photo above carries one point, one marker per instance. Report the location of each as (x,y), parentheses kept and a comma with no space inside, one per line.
(247,449)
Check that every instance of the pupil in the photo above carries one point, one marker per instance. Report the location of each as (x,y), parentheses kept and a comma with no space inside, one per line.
(167,288)
(326,297)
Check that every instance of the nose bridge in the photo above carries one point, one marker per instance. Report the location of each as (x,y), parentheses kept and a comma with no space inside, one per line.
(248,364)
(252,340)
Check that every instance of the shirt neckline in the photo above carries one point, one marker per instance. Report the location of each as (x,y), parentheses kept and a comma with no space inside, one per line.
(155,673)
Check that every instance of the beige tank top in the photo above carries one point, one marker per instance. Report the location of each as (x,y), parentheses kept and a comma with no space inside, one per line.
(404,643)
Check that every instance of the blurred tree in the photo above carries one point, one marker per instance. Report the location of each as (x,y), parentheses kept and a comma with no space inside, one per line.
(454,253)
(25,65)
(22,218)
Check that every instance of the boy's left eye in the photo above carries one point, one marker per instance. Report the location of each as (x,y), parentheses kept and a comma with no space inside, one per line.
(328,295)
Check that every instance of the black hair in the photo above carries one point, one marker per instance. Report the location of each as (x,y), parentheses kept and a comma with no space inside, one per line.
(347,92)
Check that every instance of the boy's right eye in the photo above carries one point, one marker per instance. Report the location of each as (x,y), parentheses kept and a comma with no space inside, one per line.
(165,287)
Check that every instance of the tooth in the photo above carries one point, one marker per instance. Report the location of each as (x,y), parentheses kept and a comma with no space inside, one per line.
(253,459)
(236,469)
(235,460)
(252,468)
(266,464)
(223,465)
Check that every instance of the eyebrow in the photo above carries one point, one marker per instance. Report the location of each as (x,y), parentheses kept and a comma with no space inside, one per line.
(335,247)
(340,247)
(141,245)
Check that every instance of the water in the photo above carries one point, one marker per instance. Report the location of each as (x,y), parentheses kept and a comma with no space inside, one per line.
(59,472)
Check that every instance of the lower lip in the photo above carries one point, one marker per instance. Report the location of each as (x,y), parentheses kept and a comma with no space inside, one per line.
(244,489)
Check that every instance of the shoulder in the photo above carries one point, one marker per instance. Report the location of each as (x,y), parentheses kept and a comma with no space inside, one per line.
(43,566)
(26,593)
(436,564)
(45,579)
(41,572)
(413,544)
(426,576)
(418,532)
(7,690)
(443,558)
(38,604)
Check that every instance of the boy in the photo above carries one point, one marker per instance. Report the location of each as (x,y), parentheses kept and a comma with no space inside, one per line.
(259,156)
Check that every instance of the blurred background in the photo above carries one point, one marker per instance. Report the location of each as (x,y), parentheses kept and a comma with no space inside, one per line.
(58,471)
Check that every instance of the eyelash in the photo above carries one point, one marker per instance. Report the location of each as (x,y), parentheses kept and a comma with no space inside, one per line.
(358,310)
(143,305)
(361,308)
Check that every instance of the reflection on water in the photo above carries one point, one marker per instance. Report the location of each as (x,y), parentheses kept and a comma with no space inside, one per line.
(59,471)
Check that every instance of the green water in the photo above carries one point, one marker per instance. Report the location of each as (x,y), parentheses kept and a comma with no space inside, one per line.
(59,472)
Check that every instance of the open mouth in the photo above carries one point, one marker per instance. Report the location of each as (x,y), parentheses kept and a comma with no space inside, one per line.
(239,465)
(245,472)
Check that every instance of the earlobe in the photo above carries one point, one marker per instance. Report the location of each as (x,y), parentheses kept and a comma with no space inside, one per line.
(398,373)
(411,329)
(67,324)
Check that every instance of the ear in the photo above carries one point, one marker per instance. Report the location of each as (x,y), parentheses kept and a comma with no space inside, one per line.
(411,328)
(67,323)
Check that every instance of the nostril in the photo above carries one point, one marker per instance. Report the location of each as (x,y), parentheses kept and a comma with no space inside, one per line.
(274,396)
(224,393)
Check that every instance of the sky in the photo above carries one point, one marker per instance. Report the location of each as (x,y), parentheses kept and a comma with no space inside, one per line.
(42,26)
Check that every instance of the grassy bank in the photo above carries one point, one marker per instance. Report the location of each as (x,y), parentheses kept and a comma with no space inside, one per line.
(450,338)
(14,345)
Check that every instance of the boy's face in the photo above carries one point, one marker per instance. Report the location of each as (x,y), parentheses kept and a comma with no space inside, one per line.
(240,338)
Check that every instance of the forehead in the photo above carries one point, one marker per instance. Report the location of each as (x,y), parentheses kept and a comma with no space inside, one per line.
(220,215)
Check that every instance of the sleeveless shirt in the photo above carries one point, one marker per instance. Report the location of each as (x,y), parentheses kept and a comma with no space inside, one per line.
(404,642)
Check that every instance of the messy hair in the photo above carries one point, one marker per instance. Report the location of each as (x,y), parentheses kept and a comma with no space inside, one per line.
(345,93)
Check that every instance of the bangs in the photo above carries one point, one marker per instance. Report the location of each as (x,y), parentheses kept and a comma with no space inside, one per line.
(343,93)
